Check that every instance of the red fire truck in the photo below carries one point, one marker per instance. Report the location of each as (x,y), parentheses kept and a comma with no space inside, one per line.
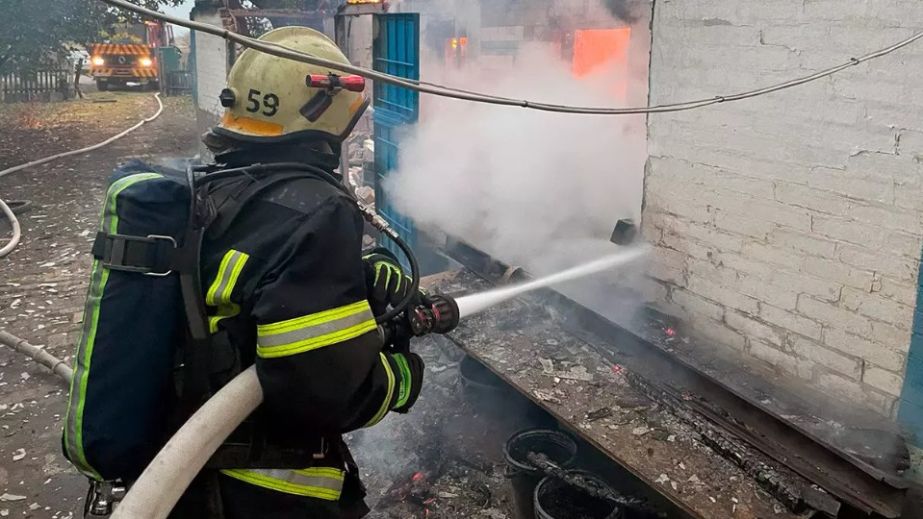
(129,57)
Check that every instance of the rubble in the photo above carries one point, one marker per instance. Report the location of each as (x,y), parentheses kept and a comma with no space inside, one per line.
(640,433)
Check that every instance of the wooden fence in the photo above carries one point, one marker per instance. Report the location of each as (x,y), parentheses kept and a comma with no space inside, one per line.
(42,85)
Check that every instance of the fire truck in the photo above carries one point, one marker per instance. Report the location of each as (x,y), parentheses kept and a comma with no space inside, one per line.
(129,57)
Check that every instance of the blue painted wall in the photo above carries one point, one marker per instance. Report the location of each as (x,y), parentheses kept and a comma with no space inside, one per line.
(910,412)
(396,51)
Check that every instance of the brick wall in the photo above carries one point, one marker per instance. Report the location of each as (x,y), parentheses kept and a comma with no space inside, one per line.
(211,69)
(211,64)
(789,227)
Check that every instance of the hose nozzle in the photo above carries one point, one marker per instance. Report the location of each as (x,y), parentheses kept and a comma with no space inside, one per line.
(439,314)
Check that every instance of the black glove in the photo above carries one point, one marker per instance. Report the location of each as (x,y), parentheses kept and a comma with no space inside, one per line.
(385,279)
(411,367)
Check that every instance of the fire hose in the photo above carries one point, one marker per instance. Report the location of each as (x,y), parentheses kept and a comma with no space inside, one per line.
(5,209)
(166,478)
(163,482)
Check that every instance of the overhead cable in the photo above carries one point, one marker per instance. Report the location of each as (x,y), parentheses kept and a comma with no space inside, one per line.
(444,91)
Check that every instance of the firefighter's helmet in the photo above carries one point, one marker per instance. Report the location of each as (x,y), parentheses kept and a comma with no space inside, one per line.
(271,99)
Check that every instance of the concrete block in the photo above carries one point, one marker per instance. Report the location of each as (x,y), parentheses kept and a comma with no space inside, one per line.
(890,383)
(809,198)
(713,272)
(801,242)
(790,321)
(855,393)
(885,166)
(728,297)
(888,217)
(673,204)
(720,333)
(834,10)
(779,296)
(742,225)
(841,183)
(841,229)
(784,362)
(876,307)
(692,303)
(722,241)
(838,272)
(853,345)
(765,210)
(889,114)
(874,260)
(849,366)
(803,283)
(891,336)
(753,329)
(773,255)
(667,274)
(910,143)
(909,198)
(904,244)
(903,292)
(830,314)
(752,266)
(685,246)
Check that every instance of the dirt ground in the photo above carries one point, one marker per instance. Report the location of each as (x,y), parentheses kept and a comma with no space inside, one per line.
(42,283)
(442,460)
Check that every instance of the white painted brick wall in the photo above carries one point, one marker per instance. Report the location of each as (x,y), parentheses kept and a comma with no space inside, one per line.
(211,66)
(789,227)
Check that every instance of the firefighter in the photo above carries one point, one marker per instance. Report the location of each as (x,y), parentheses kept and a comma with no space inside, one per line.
(287,287)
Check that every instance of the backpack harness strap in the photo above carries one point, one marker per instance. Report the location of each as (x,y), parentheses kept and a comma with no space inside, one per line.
(152,255)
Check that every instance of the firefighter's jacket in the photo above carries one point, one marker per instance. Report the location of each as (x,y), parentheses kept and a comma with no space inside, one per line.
(285,282)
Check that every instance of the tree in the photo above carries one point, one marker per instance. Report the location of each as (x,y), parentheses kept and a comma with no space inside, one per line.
(35,31)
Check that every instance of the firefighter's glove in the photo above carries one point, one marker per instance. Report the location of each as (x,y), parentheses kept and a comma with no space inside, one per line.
(410,369)
(385,279)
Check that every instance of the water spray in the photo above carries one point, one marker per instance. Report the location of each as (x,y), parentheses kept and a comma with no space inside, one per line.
(476,303)
(441,314)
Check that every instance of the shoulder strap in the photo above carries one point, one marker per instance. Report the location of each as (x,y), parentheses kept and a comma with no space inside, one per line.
(194,380)
(199,346)
(234,204)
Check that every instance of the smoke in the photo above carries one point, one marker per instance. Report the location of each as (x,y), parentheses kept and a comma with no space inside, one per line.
(622,9)
(531,188)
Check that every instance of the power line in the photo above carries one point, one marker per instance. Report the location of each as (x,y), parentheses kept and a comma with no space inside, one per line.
(444,91)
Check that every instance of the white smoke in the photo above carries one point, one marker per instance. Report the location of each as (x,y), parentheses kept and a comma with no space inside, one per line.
(523,185)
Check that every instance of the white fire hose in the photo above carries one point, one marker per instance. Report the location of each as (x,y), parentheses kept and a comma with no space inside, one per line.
(5,209)
(163,482)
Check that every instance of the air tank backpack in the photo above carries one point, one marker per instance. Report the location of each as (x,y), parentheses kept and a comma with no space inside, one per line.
(123,389)
(146,359)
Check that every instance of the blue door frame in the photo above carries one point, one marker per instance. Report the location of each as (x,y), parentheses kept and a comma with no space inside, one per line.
(910,412)
(396,51)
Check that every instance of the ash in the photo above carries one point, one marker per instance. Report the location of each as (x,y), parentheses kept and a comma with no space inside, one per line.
(445,457)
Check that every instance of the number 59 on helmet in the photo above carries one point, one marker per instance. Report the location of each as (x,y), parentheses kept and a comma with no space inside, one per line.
(276,100)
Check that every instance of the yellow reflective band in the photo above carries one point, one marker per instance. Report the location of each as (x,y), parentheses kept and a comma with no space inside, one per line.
(319,482)
(228,271)
(385,406)
(403,393)
(314,331)
(224,312)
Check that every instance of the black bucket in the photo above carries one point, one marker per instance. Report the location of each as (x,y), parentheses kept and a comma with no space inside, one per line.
(557,499)
(560,449)
(481,386)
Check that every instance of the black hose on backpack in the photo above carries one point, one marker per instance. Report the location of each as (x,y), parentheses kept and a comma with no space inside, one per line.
(367,212)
